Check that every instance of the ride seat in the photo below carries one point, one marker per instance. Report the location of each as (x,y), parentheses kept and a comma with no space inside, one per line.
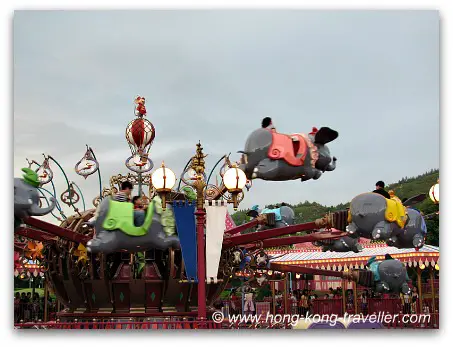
(396,212)
(121,216)
(290,148)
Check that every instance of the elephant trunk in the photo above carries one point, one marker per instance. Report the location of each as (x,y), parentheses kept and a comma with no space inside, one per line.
(38,211)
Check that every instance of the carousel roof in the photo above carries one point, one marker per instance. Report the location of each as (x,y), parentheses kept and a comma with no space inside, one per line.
(313,257)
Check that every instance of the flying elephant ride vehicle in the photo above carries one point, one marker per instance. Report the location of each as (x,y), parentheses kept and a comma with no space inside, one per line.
(272,156)
(389,275)
(373,216)
(26,197)
(116,229)
(283,215)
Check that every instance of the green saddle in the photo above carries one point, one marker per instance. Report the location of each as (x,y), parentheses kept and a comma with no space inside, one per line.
(121,216)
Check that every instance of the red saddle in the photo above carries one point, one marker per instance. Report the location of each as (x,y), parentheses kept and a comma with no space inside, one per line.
(290,148)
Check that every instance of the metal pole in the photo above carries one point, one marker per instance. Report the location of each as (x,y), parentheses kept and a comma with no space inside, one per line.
(433,294)
(419,284)
(99,175)
(201,217)
(344,295)
(46,298)
(139,184)
(242,296)
(33,286)
(354,287)
(290,282)
(285,289)
(273,297)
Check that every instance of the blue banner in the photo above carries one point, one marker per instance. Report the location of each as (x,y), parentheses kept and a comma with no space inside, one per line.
(185,224)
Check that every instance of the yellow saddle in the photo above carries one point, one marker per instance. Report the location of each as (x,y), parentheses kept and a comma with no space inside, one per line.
(396,212)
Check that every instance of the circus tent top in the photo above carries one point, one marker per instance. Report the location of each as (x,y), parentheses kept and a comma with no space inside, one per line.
(313,257)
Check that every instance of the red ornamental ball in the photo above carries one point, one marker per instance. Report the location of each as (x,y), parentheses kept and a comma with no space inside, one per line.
(140,132)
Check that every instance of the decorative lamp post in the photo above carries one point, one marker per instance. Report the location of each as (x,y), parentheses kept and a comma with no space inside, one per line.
(163,179)
(434,193)
(234,180)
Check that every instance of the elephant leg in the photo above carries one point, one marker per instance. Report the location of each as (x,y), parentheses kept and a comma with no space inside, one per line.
(382,287)
(165,242)
(357,247)
(341,246)
(392,241)
(405,288)
(159,239)
(418,241)
(104,242)
(267,170)
(381,231)
(326,248)
(352,229)
(317,175)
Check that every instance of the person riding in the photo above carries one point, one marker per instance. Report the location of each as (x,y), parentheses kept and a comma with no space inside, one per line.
(122,196)
(139,211)
(138,204)
(380,189)
(266,123)
(125,192)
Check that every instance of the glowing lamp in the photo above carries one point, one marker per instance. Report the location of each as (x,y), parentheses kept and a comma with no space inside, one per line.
(163,179)
(437,267)
(234,180)
(422,266)
(434,193)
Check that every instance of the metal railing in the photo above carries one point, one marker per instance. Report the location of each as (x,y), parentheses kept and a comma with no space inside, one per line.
(33,312)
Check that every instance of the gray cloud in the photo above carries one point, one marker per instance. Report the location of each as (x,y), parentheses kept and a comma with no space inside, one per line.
(213,75)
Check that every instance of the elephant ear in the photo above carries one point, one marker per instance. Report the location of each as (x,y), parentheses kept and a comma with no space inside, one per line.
(414,200)
(325,135)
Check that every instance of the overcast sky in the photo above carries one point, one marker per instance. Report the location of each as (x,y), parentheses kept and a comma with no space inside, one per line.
(213,75)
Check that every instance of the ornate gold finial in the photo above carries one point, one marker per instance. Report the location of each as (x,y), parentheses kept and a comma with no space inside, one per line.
(198,163)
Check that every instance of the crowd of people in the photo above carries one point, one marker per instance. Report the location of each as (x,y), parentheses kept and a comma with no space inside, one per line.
(306,301)
(29,308)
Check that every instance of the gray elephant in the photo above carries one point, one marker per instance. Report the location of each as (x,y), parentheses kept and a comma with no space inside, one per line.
(284,216)
(115,230)
(344,244)
(272,156)
(413,235)
(389,275)
(26,197)
(374,217)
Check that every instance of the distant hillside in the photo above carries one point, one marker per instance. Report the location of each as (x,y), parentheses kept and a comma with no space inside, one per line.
(405,188)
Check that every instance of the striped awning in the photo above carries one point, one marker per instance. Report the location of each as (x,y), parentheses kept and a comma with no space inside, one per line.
(427,255)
